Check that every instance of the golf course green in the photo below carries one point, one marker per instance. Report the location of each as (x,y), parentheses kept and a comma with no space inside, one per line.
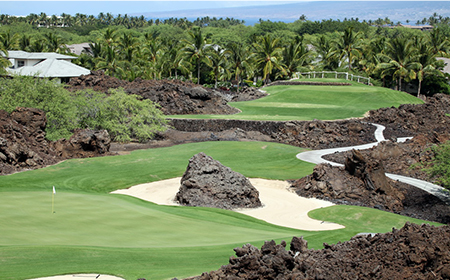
(82,228)
(309,102)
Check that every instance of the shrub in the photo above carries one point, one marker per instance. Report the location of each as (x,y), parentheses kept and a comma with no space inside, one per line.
(439,168)
(126,116)
(44,94)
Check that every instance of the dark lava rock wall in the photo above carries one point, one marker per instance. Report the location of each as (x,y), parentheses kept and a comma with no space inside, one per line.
(22,141)
(412,252)
(412,119)
(23,145)
(308,134)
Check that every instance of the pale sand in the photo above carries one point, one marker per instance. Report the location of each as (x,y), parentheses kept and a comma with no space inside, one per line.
(280,206)
(80,277)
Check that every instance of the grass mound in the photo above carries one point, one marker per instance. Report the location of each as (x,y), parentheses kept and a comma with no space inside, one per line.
(309,102)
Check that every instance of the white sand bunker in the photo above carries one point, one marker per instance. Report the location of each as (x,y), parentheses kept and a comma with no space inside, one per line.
(80,277)
(280,206)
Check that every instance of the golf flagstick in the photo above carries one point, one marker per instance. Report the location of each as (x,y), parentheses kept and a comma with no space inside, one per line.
(53,200)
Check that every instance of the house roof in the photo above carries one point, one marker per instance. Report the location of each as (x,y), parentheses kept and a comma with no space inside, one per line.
(36,55)
(447,64)
(79,48)
(51,68)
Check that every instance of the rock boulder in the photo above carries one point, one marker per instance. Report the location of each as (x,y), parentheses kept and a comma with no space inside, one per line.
(84,143)
(362,182)
(208,183)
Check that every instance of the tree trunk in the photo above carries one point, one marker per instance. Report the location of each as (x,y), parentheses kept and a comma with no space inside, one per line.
(198,73)
(418,90)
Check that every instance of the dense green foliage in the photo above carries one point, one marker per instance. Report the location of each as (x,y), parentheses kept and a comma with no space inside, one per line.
(42,94)
(439,168)
(131,47)
(124,116)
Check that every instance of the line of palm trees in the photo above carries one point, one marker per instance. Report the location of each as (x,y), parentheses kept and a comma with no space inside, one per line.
(197,58)
(121,54)
(108,19)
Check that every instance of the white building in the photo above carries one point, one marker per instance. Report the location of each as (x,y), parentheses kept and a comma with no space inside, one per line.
(44,65)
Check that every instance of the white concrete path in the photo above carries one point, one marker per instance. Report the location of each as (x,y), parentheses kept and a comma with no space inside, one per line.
(316,158)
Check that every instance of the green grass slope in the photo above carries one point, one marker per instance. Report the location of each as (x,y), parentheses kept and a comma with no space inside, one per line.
(105,174)
(127,237)
(92,231)
(304,102)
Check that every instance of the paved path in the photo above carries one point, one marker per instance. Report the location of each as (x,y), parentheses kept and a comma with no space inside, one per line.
(316,158)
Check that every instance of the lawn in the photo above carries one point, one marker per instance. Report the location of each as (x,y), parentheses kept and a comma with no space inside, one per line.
(93,231)
(131,238)
(305,102)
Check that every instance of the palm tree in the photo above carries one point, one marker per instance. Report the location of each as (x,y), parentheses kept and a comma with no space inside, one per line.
(295,55)
(268,56)
(196,49)
(9,41)
(55,43)
(371,54)
(400,53)
(428,65)
(349,45)
(326,51)
(4,62)
(128,45)
(238,57)
(25,42)
(439,42)
(111,63)
(37,45)
(150,56)
(175,58)
(217,59)
(109,36)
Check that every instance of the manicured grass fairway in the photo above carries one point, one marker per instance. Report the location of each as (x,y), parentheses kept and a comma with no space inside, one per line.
(93,231)
(302,102)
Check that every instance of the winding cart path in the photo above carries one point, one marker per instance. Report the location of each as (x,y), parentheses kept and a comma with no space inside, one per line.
(316,158)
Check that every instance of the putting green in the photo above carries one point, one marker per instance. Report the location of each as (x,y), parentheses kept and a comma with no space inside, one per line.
(26,219)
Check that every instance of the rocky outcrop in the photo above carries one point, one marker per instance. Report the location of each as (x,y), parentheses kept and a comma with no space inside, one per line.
(208,183)
(22,141)
(362,181)
(412,252)
(23,145)
(430,118)
(174,97)
(408,158)
(84,143)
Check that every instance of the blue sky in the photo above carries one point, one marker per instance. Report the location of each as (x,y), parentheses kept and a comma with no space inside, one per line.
(19,8)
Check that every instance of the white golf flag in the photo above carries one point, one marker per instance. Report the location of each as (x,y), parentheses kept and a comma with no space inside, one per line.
(54,191)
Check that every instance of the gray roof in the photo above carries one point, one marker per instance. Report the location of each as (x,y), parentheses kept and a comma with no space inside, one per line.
(79,48)
(447,64)
(36,55)
(51,68)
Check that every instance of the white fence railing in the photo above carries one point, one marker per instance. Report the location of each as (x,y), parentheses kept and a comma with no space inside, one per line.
(332,74)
